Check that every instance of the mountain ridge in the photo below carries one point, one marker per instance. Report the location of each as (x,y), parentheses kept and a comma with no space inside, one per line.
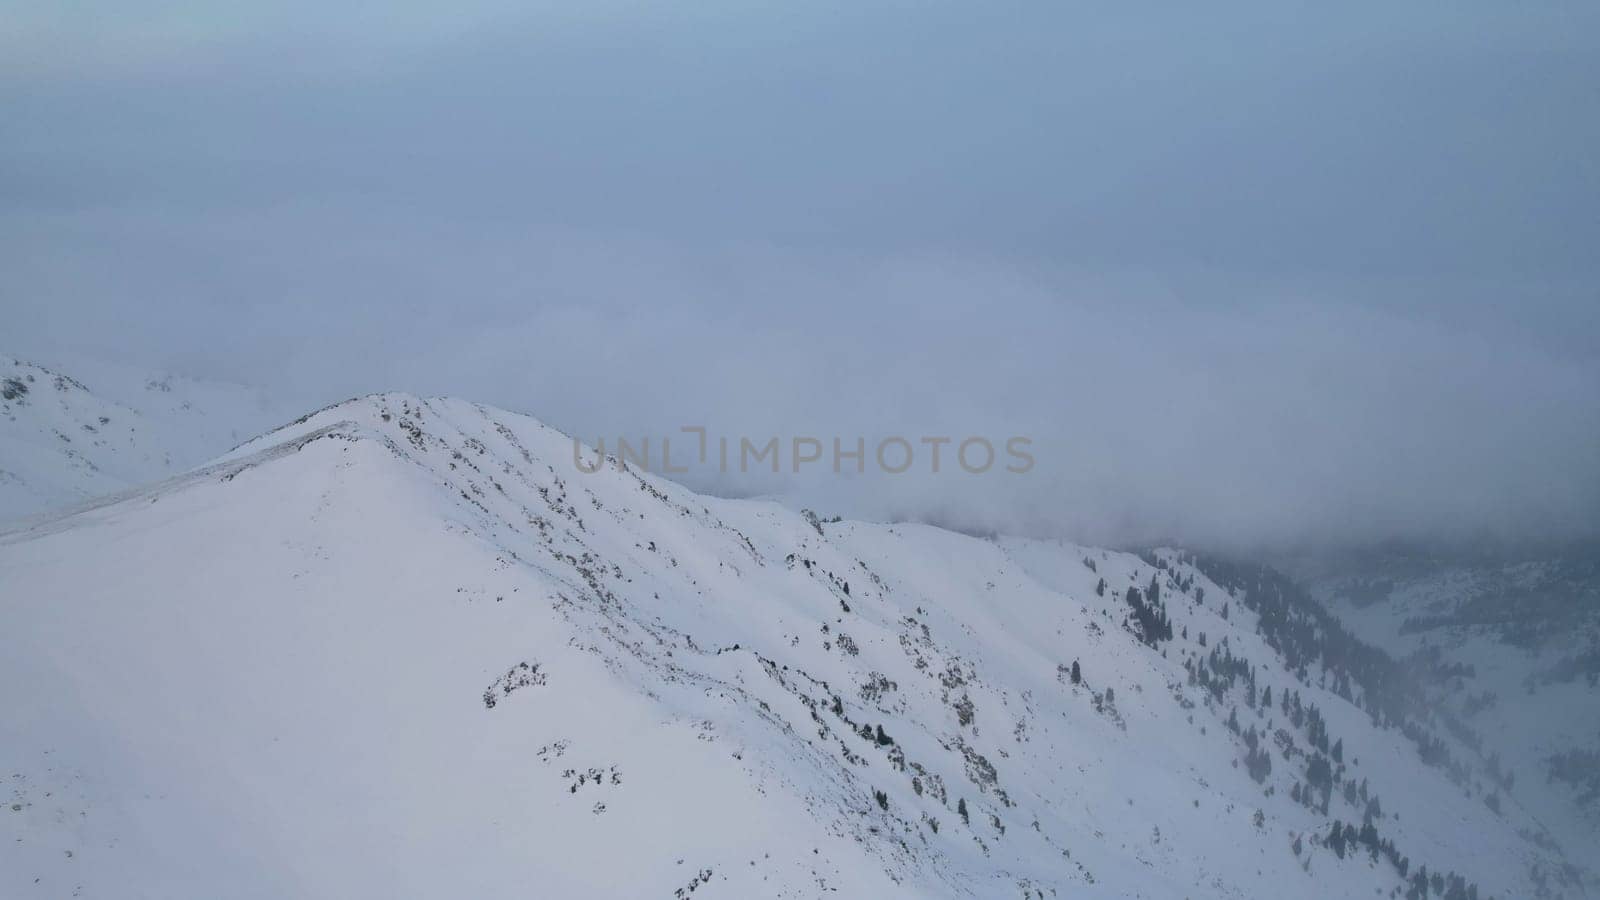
(720,689)
(63,442)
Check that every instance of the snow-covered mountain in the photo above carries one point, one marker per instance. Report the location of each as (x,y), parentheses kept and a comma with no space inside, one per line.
(406,648)
(65,438)
(1507,644)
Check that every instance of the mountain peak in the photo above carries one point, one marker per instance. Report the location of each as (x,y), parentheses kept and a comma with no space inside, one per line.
(421,609)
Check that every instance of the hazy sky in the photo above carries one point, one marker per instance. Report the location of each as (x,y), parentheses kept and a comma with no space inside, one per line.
(1277,272)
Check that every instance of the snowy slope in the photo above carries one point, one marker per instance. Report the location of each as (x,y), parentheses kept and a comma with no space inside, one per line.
(403,648)
(67,437)
(1508,644)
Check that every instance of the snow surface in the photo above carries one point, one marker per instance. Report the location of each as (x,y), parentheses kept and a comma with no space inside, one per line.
(1504,637)
(65,438)
(403,648)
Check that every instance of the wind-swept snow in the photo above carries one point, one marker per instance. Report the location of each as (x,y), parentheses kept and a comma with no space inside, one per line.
(404,648)
(66,438)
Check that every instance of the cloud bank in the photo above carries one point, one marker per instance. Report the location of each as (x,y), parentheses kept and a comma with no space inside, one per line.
(1290,274)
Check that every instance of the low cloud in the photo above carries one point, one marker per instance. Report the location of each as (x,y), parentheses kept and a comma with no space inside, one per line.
(1332,286)
(1238,415)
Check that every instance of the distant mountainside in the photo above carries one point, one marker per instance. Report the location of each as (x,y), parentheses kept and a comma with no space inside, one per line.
(405,648)
(66,437)
(1506,644)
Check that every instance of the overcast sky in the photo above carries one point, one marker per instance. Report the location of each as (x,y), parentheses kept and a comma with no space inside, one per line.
(1282,272)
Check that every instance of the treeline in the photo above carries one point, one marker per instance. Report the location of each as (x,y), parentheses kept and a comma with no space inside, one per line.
(1305,634)
(1345,839)
(1149,613)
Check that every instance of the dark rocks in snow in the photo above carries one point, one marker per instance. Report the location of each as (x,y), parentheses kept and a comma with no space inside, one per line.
(519,676)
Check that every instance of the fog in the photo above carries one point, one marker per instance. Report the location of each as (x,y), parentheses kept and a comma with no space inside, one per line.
(1287,274)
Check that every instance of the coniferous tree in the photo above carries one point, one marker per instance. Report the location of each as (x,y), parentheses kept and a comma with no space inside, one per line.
(1320,775)
(1259,763)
